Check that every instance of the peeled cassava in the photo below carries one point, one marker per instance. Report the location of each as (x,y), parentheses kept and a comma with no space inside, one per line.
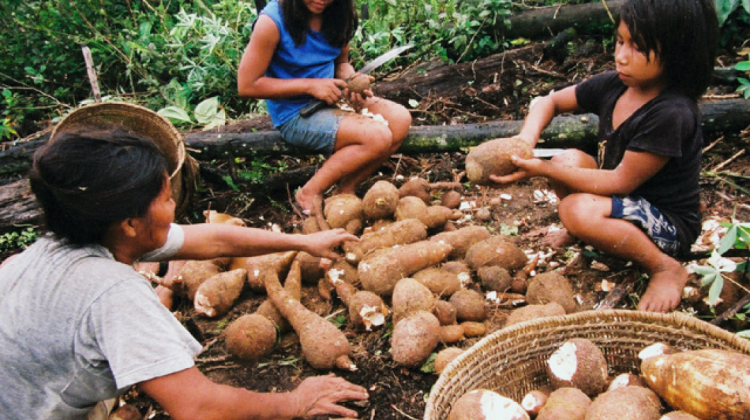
(493,158)
(578,363)
(484,404)
(709,384)
(380,270)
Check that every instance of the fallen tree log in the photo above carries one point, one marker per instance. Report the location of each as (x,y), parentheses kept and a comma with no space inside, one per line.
(547,21)
(579,131)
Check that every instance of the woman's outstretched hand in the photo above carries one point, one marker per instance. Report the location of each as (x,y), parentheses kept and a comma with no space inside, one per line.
(321,244)
(321,394)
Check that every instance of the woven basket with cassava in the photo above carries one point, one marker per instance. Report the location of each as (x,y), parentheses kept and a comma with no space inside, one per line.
(144,123)
(512,361)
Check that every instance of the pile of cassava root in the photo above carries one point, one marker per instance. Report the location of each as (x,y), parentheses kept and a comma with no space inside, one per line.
(421,264)
(707,384)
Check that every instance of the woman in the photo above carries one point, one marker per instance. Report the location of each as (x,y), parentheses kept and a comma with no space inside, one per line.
(80,326)
(299,52)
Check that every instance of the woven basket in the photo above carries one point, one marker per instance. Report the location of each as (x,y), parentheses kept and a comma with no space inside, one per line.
(144,123)
(512,361)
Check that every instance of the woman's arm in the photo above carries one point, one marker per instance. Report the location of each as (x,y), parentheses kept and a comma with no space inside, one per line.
(211,240)
(189,394)
(251,79)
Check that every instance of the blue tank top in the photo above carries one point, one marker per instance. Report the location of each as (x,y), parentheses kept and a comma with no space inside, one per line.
(312,59)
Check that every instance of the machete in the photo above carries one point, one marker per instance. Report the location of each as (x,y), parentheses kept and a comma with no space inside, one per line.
(317,104)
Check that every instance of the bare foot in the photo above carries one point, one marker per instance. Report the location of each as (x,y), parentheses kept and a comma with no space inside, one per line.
(558,238)
(664,290)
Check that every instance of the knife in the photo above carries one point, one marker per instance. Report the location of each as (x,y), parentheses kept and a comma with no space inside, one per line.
(317,104)
(548,153)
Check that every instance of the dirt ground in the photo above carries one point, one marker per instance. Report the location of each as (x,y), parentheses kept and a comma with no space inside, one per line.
(523,212)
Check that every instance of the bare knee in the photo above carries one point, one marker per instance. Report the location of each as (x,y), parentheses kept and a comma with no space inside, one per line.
(578,212)
(379,140)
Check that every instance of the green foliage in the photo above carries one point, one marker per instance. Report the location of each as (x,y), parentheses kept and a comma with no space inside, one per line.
(737,236)
(12,241)
(744,87)
(429,365)
(724,8)
(207,113)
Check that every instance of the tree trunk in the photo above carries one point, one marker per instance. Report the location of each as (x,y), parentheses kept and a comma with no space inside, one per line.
(548,21)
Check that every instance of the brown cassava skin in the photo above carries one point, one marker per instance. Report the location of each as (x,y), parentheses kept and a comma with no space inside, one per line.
(441,282)
(470,407)
(293,286)
(414,339)
(416,187)
(445,312)
(450,334)
(359,83)
(323,345)
(470,305)
(413,208)
(495,278)
(451,199)
(589,364)
(399,233)
(495,250)
(380,201)
(473,328)
(530,312)
(493,158)
(344,211)
(565,403)
(250,336)
(678,415)
(357,300)
(217,294)
(445,356)
(535,399)
(380,270)
(551,287)
(193,273)
(713,384)
(630,402)
(310,267)
(462,239)
(410,296)
(277,261)
(310,225)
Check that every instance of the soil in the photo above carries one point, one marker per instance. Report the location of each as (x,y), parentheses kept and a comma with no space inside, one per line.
(525,212)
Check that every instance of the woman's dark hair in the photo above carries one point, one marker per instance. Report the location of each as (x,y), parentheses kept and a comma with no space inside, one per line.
(339,21)
(683,34)
(87,181)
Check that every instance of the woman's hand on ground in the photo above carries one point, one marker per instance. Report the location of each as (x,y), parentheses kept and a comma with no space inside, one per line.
(320,394)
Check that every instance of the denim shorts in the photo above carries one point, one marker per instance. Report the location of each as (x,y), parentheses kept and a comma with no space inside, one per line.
(316,132)
(641,213)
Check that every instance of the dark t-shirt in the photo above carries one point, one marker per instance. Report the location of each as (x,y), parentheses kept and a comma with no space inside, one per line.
(668,125)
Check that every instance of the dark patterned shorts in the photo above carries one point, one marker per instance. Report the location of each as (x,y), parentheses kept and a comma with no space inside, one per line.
(641,213)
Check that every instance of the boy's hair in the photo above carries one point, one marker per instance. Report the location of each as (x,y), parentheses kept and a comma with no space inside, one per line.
(87,181)
(682,33)
(339,21)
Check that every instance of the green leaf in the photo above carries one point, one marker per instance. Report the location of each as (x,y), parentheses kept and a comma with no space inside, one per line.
(715,290)
(175,114)
(724,8)
(744,334)
(207,110)
(742,65)
(727,242)
(219,120)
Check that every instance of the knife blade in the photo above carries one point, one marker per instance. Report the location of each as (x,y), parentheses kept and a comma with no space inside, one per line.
(317,104)
(548,153)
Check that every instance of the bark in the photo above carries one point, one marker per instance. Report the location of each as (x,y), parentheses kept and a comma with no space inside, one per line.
(548,21)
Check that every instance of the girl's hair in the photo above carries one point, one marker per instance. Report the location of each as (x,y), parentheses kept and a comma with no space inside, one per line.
(339,21)
(87,181)
(683,34)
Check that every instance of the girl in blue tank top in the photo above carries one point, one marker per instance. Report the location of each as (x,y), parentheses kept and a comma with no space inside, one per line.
(299,52)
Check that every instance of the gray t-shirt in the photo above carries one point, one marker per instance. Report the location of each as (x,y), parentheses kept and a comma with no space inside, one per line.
(78,327)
